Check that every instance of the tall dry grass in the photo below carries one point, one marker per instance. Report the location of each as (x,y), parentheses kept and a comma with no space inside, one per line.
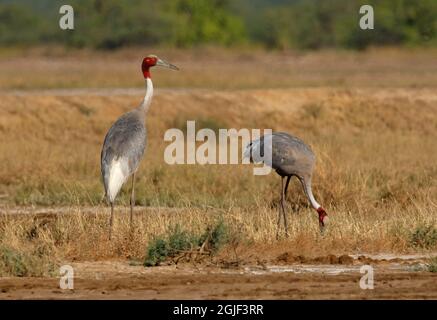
(81,236)
(374,147)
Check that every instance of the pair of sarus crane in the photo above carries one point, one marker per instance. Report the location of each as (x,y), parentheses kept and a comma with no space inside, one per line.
(125,143)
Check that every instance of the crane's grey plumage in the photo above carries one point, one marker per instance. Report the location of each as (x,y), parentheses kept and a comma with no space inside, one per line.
(122,151)
(290,157)
(125,143)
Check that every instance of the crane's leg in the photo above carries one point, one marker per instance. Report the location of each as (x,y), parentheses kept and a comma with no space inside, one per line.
(286,185)
(283,207)
(279,214)
(132,200)
(279,224)
(281,210)
(111,220)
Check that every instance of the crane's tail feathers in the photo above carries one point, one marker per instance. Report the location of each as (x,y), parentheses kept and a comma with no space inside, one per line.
(118,174)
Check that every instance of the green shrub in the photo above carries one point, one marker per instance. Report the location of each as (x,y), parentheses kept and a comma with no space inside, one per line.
(425,236)
(162,248)
(218,236)
(309,24)
(26,264)
(12,262)
(156,253)
(177,241)
(432,265)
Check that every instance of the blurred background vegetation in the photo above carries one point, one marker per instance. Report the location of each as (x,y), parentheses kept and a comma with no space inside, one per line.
(275,24)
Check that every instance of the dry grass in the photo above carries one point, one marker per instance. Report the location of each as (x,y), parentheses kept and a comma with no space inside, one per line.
(374,147)
(376,170)
(80,236)
(217,68)
(375,174)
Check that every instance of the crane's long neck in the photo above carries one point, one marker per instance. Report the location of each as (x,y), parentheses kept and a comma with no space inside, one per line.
(145,105)
(306,183)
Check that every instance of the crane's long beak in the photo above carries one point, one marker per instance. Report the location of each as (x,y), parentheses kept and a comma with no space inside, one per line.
(165,64)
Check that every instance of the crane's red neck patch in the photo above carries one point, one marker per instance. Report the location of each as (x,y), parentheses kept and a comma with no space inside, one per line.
(148,62)
(146,73)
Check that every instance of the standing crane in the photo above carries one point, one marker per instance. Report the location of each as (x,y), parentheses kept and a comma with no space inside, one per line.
(290,157)
(125,142)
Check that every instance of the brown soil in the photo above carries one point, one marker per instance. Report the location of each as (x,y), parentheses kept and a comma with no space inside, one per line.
(119,280)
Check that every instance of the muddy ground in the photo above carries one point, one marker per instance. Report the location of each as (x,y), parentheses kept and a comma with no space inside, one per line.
(394,278)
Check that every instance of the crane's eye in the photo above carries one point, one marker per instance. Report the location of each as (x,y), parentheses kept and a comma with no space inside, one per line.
(150,61)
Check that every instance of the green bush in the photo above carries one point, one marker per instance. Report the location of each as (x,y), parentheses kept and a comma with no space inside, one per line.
(157,252)
(13,262)
(205,22)
(425,236)
(306,24)
(162,248)
(26,264)
(432,265)
(177,241)
(218,236)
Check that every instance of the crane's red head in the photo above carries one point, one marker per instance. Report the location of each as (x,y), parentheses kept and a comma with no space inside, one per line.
(323,217)
(151,61)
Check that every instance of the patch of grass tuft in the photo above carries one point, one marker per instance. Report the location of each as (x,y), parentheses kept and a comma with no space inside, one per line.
(13,262)
(313,110)
(156,253)
(216,237)
(432,265)
(86,111)
(424,236)
(25,264)
(179,241)
(162,247)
